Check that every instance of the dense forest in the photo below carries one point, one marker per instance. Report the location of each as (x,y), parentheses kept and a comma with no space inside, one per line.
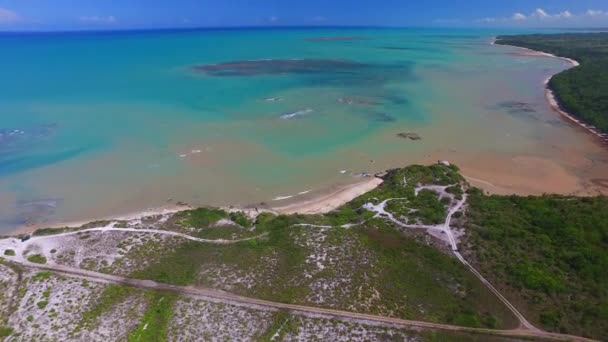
(582,91)
(548,254)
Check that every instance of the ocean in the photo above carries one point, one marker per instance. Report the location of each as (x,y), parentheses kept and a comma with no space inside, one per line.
(94,124)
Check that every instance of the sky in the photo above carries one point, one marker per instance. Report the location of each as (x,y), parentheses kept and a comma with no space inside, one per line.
(50,15)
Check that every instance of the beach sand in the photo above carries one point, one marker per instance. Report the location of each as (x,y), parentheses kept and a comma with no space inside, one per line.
(170,209)
(323,203)
(326,203)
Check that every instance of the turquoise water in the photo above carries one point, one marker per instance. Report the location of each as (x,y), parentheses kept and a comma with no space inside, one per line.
(99,123)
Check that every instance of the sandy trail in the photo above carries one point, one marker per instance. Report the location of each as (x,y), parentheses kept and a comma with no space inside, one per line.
(450,238)
(45,243)
(232,299)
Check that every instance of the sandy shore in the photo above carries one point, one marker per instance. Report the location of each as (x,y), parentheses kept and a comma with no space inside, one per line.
(550,95)
(322,204)
(331,201)
(552,99)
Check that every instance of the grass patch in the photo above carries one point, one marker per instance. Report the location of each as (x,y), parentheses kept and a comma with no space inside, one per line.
(50,231)
(37,258)
(5,331)
(241,219)
(42,304)
(442,290)
(203,217)
(110,297)
(9,252)
(282,324)
(182,266)
(153,325)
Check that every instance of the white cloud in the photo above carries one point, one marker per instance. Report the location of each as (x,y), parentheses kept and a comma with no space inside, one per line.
(518,17)
(98,19)
(273,19)
(7,16)
(539,12)
(594,13)
(542,18)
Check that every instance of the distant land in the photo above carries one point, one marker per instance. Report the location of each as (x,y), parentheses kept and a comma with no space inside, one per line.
(582,91)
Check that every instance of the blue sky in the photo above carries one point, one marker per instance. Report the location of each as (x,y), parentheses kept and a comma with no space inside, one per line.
(130,14)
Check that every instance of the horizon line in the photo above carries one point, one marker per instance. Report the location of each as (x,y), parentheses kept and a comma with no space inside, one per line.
(265,27)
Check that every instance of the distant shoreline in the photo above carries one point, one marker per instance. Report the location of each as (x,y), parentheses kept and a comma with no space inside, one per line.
(550,93)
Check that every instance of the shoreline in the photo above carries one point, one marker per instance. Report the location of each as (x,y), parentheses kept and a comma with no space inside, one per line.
(136,215)
(550,95)
(321,204)
(326,203)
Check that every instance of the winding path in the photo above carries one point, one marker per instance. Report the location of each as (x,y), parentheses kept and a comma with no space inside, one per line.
(154,231)
(447,230)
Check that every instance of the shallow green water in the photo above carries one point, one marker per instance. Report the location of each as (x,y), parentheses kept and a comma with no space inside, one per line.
(101,123)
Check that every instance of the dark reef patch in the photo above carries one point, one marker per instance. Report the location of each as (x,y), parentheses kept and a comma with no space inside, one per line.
(279,67)
(37,211)
(409,135)
(365,83)
(518,109)
(381,117)
(356,100)
(396,99)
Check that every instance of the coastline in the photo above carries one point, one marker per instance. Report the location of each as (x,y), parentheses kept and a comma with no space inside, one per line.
(550,94)
(554,103)
(326,203)
(170,209)
(332,199)
(321,204)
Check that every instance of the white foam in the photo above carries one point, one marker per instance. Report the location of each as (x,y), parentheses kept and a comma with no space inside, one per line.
(281,198)
(296,114)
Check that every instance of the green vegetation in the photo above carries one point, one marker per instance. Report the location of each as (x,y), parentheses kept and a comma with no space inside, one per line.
(111,296)
(282,324)
(42,304)
(241,219)
(582,91)
(184,264)
(5,331)
(551,252)
(464,302)
(202,217)
(424,208)
(40,276)
(37,258)
(9,252)
(49,231)
(546,254)
(153,325)
(380,258)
